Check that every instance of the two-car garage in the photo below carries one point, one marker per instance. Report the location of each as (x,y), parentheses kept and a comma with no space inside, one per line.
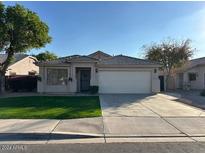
(121,81)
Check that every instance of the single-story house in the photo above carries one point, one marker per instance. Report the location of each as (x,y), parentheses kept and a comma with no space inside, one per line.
(22,64)
(190,76)
(113,74)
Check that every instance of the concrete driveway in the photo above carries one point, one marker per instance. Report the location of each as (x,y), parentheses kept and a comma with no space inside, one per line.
(150,115)
(192,97)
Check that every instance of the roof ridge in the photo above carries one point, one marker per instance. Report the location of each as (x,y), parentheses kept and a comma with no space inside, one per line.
(135,58)
(197,58)
(128,56)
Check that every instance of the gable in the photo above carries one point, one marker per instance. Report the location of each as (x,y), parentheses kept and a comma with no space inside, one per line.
(24,66)
(99,55)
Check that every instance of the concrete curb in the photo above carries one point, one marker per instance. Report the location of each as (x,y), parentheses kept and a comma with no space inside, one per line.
(83,134)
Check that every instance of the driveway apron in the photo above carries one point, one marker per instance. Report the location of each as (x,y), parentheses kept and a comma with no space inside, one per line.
(149,115)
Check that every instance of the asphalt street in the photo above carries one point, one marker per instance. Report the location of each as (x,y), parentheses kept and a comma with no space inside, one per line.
(107,147)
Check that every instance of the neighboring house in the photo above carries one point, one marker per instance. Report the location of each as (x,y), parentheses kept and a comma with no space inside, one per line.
(113,74)
(190,76)
(21,65)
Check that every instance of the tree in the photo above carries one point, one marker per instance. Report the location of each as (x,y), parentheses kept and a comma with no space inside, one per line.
(20,30)
(46,56)
(170,53)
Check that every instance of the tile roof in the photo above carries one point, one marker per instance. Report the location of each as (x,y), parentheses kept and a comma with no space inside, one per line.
(69,59)
(17,57)
(198,61)
(126,60)
(193,63)
(112,60)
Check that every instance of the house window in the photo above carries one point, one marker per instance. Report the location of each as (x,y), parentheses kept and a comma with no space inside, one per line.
(192,76)
(57,76)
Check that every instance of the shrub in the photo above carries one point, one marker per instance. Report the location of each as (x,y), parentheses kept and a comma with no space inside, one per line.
(202,93)
(94,89)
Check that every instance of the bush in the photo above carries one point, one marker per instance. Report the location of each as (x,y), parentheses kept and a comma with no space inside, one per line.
(202,93)
(94,89)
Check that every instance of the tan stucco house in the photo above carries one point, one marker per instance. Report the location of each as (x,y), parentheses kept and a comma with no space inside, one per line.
(191,75)
(22,64)
(113,74)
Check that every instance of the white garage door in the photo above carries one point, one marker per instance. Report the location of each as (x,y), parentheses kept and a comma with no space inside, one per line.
(124,82)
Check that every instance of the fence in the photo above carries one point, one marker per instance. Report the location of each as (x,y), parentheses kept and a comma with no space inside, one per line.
(21,83)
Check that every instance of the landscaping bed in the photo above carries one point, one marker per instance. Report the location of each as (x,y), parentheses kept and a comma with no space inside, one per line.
(49,107)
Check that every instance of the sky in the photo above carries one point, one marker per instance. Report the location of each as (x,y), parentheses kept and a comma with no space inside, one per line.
(118,27)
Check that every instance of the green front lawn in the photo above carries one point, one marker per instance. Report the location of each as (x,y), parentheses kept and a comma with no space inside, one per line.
(49,107)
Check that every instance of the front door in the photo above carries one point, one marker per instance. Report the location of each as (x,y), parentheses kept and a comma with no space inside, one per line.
(84,80)
(161,78)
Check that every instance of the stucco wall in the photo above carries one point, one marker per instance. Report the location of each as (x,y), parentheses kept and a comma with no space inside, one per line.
(199,83)
(155,81)
(23,67)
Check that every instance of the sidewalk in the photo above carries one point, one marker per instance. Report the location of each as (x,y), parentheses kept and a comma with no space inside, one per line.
(86,130)
(44,130)
(191,97)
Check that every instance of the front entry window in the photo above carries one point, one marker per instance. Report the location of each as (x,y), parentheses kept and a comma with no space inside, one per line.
(57,76)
